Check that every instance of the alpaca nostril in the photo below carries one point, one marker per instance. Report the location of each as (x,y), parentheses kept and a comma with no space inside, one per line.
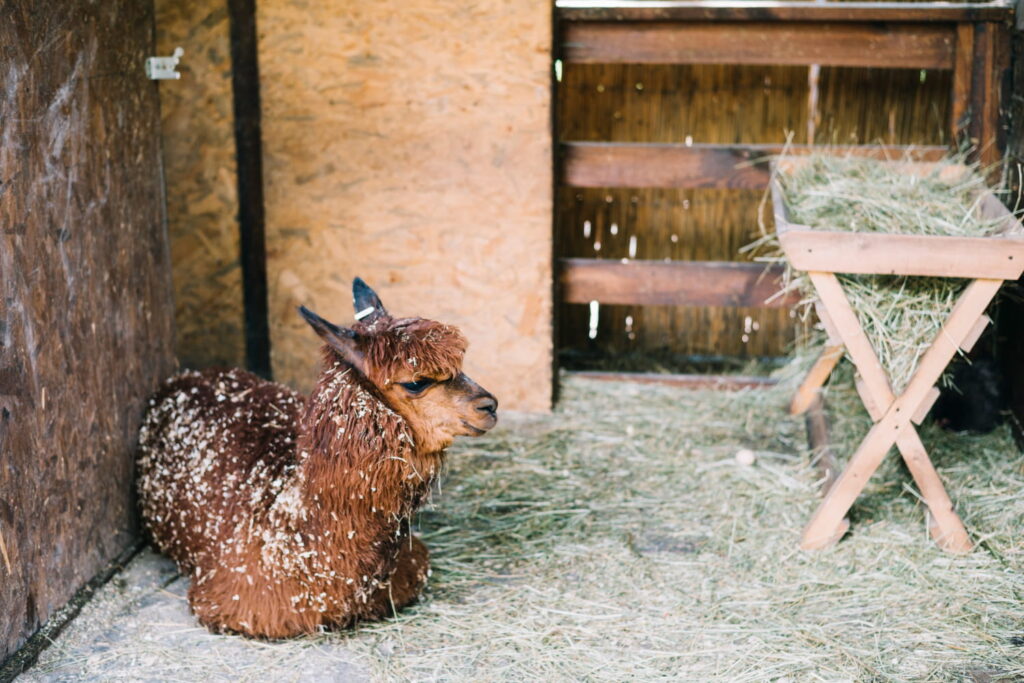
(488,405)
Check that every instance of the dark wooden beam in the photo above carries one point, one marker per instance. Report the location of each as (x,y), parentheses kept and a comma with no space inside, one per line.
(989,64)
(761,10)
(616,164)
(675,283)
(960,97)
(909,46)
(719,382)
(245,82)
(821,447)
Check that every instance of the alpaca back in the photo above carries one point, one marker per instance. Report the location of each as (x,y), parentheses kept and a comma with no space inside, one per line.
(215,448)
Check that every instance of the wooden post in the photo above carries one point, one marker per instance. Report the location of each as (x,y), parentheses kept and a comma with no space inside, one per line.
(987,66)
(963,57)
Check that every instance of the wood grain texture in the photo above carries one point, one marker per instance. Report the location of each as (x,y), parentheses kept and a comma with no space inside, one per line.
(866,253)
(985,127)
(197,126)
(700,165)
(711,105)
(716,382)
(86,318)
(771,10)
(960,95)
(412,148)
(912,46)
(707,104)
(677,283)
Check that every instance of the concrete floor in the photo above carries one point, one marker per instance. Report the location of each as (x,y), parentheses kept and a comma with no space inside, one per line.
(138,628)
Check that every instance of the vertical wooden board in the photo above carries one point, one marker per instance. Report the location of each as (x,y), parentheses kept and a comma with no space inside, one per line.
(86,319)
(202,195)
(887,106)
(409,144)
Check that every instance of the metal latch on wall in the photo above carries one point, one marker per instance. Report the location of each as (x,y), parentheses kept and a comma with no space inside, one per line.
(162,68)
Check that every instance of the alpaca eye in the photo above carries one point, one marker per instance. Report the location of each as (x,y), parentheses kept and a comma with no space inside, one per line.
(417,387)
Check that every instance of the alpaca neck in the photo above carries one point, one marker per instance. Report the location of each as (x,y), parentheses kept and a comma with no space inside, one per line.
(360,473)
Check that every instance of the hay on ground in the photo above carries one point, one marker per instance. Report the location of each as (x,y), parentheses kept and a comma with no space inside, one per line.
(620,539)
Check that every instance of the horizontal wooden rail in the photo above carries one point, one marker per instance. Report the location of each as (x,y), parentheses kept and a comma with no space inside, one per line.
(718,382)
(761,10)
(617,164)
(829,43)
(674,283)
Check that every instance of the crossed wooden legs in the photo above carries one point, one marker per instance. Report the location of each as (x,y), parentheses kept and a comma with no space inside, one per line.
(892,414)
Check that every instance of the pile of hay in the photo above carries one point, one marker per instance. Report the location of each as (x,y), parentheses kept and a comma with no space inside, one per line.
(620,538)
(900,315)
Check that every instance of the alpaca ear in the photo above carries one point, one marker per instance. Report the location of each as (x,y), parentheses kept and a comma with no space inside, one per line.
(341,339)
(368,306)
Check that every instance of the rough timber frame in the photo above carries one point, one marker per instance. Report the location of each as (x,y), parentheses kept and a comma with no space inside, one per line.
(987,262)
(971,40)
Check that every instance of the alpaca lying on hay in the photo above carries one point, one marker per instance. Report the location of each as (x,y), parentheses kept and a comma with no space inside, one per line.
(291,514)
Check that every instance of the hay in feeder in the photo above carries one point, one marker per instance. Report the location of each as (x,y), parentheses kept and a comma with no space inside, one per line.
(900,315)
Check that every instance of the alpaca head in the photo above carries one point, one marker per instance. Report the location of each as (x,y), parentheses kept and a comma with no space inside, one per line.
(416,367)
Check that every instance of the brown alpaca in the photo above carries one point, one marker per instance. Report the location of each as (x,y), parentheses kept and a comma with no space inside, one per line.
(291,515)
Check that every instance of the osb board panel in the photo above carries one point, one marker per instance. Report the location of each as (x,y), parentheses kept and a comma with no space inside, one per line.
(713,104)
(86,328)
(409,144)
(197,123)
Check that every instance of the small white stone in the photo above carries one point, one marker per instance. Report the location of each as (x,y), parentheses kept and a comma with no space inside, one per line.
(745,456)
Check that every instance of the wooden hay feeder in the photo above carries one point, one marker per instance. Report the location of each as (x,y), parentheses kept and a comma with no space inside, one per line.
(986,261)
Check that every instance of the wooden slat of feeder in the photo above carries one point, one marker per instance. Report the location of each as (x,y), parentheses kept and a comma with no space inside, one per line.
(926,405)
(972,337)
(805,395)
(875,253)
(676,283)
(766,10)
(637,165)
(911,46)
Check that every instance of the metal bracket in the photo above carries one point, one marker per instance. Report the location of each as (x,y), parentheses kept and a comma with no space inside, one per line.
(162,68)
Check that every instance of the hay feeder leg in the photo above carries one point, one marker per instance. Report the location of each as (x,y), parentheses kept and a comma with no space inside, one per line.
(893,415)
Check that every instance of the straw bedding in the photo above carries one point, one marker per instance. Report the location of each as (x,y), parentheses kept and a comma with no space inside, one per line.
(620,539)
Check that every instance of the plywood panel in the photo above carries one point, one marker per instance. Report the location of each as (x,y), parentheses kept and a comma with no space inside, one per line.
(85,296)
(409,144)
(202,200)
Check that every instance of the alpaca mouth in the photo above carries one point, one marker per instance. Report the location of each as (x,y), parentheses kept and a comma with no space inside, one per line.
(473,431)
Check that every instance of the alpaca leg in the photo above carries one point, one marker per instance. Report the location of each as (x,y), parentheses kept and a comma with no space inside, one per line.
(411,572)
(412,565)
(229,608)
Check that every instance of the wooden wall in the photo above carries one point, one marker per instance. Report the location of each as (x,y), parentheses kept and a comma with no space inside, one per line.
(197,123)
(712,104)
(408,143)
(86,326)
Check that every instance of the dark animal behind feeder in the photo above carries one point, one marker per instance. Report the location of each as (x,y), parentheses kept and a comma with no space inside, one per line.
(291,515)
(977,399)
